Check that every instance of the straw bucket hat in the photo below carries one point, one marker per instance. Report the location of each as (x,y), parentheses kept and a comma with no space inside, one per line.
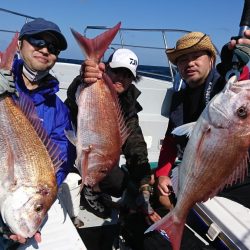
(192,42)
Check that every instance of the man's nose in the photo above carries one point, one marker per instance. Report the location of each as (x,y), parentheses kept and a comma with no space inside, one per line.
(44,50)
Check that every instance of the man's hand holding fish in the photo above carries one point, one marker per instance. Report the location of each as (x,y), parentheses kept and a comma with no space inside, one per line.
(91,71)
(6,82)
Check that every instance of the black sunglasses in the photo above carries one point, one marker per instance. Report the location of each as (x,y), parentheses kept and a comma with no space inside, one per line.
(122,71)
(41,43)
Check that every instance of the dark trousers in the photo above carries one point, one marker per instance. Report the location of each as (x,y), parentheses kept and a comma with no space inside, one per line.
(115,182)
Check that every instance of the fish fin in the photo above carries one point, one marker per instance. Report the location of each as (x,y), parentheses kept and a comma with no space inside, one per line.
(71,135)
(174,180)
(238,175)
(78,91)
(185,129)
(28,108)
(170,226)
(124,131)
(94,48)
(240,172)
(84,164)
(8,55)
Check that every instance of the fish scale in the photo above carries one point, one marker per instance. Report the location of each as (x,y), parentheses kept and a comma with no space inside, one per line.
(26,144)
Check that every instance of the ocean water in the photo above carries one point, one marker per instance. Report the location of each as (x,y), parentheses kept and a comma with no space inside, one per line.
(157,72)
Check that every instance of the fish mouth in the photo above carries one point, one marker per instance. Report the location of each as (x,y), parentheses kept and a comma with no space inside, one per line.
(26,229)
(20,227)
(18,213)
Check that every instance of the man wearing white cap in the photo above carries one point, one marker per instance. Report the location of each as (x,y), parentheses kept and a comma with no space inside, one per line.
(122,69)
(124,58)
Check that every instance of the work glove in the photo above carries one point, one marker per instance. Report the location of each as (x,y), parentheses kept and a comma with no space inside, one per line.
(7,82)
(241,53)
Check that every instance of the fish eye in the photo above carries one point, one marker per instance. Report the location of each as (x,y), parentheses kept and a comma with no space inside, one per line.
(242,112)
(38,208)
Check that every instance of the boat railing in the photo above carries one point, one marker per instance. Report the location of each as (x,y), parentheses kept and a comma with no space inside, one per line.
(128,37)
(163,33)
(17,13)
(27,18)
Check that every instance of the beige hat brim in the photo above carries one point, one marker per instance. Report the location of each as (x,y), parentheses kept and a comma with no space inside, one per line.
(202,45)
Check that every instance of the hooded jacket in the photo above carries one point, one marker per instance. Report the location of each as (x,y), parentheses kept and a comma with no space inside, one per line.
(53,113)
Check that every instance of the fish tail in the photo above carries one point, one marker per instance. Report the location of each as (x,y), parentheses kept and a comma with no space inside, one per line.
(171,227)
(94,48)
(6,58)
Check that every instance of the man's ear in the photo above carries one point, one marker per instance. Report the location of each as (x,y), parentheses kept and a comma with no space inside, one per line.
(19,45)
(212,63)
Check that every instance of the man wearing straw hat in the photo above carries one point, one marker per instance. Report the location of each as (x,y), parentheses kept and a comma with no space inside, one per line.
(195,57)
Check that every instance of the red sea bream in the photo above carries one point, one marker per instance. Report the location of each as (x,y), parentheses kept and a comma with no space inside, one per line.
(216,155)
(101,130)
(28,161)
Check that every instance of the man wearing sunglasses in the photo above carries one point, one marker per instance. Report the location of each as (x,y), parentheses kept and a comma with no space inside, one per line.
(40,42)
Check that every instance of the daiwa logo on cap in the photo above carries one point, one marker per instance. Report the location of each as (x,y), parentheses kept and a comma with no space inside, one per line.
(133,61)
(124,58)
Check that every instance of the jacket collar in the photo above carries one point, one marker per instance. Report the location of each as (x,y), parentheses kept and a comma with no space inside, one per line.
(49,85)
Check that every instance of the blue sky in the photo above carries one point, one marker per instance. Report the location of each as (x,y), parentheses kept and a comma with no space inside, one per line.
(218,18)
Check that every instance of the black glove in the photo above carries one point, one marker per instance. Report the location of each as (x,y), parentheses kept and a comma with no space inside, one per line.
(143,202)
(7,82)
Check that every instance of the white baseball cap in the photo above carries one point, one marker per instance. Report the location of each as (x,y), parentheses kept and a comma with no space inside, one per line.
(124,58)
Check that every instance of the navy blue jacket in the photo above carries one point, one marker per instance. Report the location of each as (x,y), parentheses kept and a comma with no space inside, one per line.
(187,104)
(53,113)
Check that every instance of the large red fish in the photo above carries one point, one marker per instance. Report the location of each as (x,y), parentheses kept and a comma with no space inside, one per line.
(28,160)
(216,155)
(101,130)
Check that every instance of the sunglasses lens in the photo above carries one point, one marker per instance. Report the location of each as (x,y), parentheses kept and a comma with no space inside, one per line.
(41,43)
(126,73)
(53,49)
